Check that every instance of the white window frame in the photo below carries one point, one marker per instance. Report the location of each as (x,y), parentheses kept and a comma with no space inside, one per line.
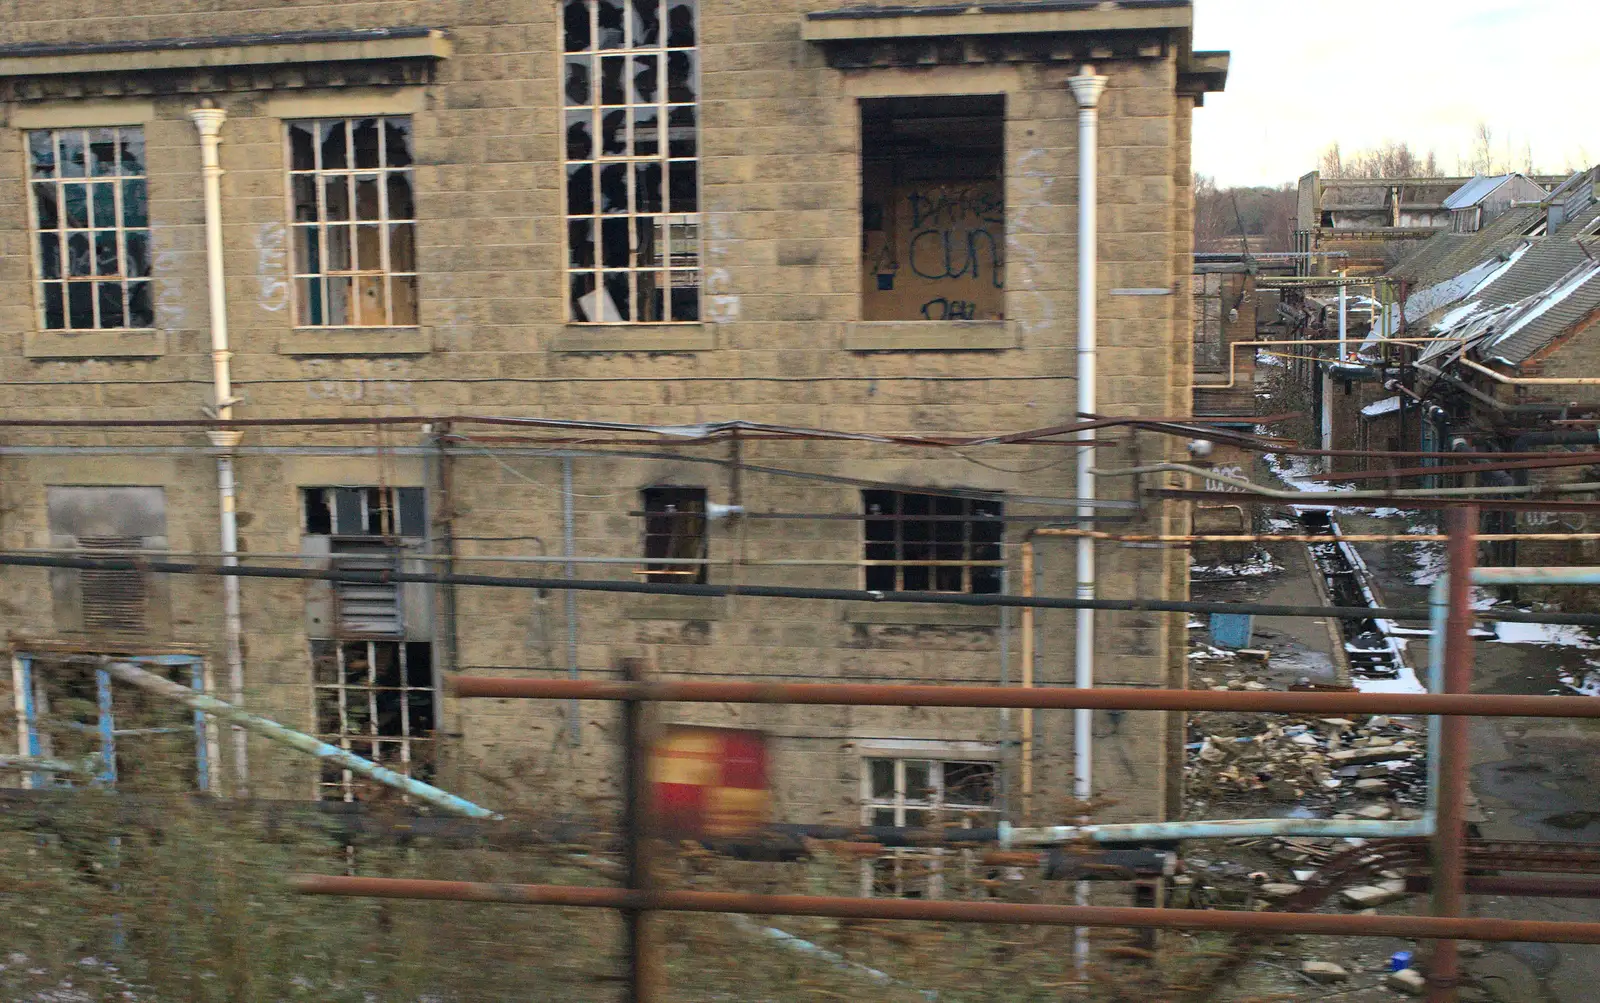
(361,695)
(386,225)
(906,861)
(678,234)
(119,229)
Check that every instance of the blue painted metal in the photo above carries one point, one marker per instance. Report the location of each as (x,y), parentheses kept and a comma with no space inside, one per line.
(108,735)
(30,712)
(267,728)
(1232,630)
(1536,576)
(202,751)
(1159,832)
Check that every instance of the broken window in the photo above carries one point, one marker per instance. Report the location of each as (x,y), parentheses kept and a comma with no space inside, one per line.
(933,219)
(91,220)
(931,543)
(97,730)
(353,205)
(108,522)
(375,699)
(675,527)
(631,86)
(921,794)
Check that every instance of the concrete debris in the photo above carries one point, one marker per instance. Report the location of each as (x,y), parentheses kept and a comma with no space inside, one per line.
(1371,896)
(1372,785)
(1324,972)
(1408,981)
(1376,812)
(1278,890)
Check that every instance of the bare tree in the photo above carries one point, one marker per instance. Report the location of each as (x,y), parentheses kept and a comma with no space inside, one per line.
(1391,160)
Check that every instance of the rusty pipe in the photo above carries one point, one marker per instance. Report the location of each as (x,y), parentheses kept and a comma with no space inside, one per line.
(1063,698)
(1026,717)
(1450,834)
(1315,924)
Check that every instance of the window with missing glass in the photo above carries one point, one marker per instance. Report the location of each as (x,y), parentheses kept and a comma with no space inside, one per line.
(931,543)
(353,211)
(675,531)
(919,793)
(631,86)
(89,206)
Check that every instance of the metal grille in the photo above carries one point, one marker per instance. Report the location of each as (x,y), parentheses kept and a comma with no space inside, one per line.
(113,600)
(931,543)
(354,218)
(90,211)
(362,609)
(631,89)
(376,699)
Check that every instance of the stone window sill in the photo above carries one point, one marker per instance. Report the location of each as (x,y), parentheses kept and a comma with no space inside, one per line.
(922,613)
(357,341)
(94,344)
(635,338)
(675,608)
(930,336)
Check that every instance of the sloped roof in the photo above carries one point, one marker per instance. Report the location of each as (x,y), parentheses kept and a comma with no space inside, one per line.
(1346,194)
(1476,190)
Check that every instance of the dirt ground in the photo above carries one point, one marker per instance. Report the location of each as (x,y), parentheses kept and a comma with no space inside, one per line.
(1533,780)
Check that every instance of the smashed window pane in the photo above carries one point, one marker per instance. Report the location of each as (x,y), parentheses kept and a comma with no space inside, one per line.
(630,72)
(359,275)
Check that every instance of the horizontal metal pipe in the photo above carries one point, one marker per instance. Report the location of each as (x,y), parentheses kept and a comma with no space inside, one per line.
(1383,501)
(41,764)
(1241,828)
(1099,534)
(272,730)
(1517,886)
(1536,576)
(1049,698)
(1420,927)
(13,559)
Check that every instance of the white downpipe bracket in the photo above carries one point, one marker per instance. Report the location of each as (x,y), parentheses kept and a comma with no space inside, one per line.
(209,121)
(1087,87)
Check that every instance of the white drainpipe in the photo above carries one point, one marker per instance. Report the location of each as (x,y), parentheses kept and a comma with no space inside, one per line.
(209,121)
(1087,87)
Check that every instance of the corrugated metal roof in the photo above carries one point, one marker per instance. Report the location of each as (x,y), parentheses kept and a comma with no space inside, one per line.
(1475,191)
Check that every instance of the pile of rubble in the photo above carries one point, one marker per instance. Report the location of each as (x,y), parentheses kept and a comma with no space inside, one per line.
(1334,767)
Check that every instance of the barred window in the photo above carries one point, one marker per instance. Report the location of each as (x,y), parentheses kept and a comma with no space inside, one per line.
(375,699)
(91,221)
(631,88)
(675,527)
(353,209)
(931,543)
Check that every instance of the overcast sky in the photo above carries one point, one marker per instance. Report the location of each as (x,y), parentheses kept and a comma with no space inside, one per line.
(1307,73)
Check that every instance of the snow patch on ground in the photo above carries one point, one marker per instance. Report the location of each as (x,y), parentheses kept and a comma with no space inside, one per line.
(1585,683)
(1551,634)
(1431,562)
(1299,472)
(1405,682)
(1260,563)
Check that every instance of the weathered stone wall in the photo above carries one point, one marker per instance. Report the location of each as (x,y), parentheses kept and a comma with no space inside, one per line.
(781,225)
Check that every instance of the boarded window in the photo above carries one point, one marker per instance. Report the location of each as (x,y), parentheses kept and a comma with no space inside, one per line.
(931,543)
(675,528)
(1208,348)
(353,206)
(933,208)
(109,522)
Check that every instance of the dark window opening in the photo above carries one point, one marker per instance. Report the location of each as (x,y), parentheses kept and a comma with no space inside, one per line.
(675,528)
(933,208)
(365,512)
(375,699)
(931,543)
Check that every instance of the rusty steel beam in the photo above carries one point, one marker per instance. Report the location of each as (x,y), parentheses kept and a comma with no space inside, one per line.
(1562,460)
(1410,927)
(1449,851)
(1109,698)
(1517,886)
(1406,502)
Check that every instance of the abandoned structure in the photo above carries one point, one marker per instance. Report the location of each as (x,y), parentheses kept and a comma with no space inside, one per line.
(642,218)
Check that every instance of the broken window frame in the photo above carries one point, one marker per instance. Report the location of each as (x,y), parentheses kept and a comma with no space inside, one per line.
(27,683)
(918,872)
(311,281)
(915,552)
(359,727)
(116,276)
(675,526)
(592,272)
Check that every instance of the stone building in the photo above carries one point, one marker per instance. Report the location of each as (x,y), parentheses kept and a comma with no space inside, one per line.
(646,212)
